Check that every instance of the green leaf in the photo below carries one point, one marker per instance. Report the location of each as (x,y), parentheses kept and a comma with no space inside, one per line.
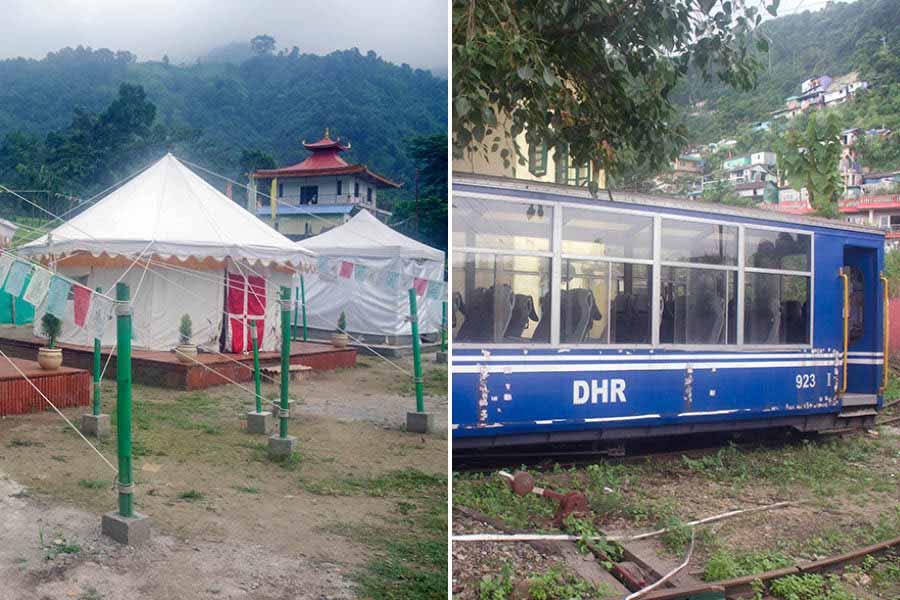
(525,72)
(463,106)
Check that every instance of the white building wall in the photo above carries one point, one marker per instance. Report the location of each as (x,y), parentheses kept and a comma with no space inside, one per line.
(289,190)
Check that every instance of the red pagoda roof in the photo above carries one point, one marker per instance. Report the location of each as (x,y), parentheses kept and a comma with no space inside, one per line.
(324,161)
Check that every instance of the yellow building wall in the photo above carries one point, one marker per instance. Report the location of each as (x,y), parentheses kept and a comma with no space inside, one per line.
(478,164)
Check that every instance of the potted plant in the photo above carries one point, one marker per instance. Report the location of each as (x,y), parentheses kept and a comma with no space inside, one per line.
(50,357)
(186,351)
(340,339)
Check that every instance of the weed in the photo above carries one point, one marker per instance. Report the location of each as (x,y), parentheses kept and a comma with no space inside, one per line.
(191,495)
(677,535)
(496,587)
(810,587)
(59,546)
(17,443)
(401,482)
(725,564)
(246,489)
(492,496)
(94,484)
(90,593)
(585,528)
(58,457)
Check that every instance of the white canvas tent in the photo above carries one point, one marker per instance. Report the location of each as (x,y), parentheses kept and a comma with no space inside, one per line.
(189,238)
(371,309)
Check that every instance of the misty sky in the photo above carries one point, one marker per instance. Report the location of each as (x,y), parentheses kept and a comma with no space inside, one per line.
(410,31)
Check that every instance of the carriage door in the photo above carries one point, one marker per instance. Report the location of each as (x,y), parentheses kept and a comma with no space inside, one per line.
(864,361)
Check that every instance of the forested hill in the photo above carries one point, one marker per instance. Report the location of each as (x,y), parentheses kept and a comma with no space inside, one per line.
(211,112)
(843,38)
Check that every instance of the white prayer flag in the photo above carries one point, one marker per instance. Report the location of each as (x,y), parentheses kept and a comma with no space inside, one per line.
(37,287)
(99,313)
(6,261)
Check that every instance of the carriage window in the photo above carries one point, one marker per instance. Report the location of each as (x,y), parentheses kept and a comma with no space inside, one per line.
(777,250)
(695,242)
(776,309)
(584,302)
(596,233)
(699,306)
(630,313)
(501,299)
(501,225)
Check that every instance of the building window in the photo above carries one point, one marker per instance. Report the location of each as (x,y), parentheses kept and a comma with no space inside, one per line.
(568,173)
(537,159)
(339,187)
(369,195)
(356,189)
(309,194)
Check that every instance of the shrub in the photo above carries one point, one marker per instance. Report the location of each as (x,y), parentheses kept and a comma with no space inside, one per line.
(50,327)
(342,323)
(185,330)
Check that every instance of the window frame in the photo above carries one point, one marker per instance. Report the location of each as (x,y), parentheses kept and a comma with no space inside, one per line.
(656,263)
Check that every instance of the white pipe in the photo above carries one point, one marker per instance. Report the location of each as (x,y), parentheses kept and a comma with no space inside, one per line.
(553,537)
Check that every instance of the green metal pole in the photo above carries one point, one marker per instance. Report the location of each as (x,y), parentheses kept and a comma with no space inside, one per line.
(97,360)
(296,303)
(256,367)
(303,305)
(444,326)
(285,358)
(123,399)
(417,358)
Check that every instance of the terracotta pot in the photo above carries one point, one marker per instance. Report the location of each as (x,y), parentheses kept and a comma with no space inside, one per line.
(340,340)
(50,359)
(186,353)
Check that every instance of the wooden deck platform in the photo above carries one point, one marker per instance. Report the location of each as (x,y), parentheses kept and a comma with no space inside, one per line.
(65,387)
(163,369)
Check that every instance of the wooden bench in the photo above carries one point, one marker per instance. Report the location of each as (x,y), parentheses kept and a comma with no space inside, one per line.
(295,372)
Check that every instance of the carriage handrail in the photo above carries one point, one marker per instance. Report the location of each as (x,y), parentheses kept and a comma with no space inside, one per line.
(886,333)
(846,279)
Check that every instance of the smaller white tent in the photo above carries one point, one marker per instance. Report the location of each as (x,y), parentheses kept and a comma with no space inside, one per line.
(371,309)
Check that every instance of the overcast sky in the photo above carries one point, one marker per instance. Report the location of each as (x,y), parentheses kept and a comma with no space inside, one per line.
(410,31)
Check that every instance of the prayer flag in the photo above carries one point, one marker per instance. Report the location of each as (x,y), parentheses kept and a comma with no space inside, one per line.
(6,261)
(37,287)
(57,296)
(391,279)
(99,313)
(435,290)
(360,272)
(346,269)
(16,279)
(419,284)
(82,303)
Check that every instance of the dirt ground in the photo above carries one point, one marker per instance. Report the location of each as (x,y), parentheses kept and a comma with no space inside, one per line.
(847,489)
(227,522)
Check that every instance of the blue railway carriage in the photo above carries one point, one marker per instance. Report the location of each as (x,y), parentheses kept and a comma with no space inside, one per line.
(578,318)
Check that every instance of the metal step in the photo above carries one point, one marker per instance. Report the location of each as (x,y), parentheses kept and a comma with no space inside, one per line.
(858,412)
(859,400)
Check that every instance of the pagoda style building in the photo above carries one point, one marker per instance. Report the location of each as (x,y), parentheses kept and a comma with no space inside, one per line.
(317,194)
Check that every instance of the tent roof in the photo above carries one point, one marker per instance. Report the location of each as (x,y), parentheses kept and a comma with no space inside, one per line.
(364,235)
(168,210)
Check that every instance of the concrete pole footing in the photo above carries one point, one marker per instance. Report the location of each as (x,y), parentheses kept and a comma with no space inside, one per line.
(419,422)
(131,531)
(280,447)
(259,422)
(97,426)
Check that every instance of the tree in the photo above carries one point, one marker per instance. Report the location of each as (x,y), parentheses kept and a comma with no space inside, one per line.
(252,160)
(809,158)
(263,44)
(426,219)
(722,192)
(595,75)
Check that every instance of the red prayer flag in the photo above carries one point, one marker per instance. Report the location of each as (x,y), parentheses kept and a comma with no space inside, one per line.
(82,297)
(420,285)
(346,269)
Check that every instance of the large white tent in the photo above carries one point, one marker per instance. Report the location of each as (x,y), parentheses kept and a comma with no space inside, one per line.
(183,247)
(371,309)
